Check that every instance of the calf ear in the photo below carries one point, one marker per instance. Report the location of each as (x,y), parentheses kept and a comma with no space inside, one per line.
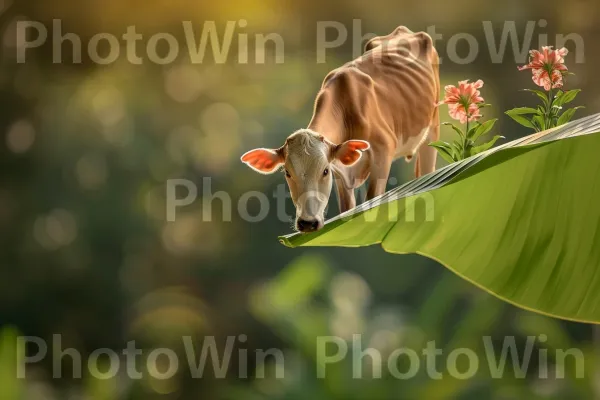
(265,161)
(350,151)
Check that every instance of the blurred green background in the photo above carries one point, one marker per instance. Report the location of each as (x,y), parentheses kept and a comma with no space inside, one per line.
(87,251)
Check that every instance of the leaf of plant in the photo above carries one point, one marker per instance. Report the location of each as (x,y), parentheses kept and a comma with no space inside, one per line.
(468,148)
(444,149)
(522,120)
(473,129)
(491,182)
(446,156)
(482,129)
(567,115)
(440,144)
(540,94)
(569,96)
(540,122)
(566,97)
(523,111)
(458,150)
(557,97)
(487,146)
(457,129)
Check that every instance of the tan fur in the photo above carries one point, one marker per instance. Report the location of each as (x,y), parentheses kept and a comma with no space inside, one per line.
(368,113)
(386,97)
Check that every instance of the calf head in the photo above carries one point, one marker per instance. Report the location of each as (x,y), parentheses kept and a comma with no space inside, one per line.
(306,158)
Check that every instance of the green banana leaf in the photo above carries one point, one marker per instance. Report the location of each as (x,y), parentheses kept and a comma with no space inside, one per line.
(521,221)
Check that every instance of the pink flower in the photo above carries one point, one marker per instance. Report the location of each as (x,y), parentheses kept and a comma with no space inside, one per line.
(458,112)
(463,100)
(547,67)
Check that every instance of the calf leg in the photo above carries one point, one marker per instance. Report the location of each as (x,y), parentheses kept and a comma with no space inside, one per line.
(345,196)
(418,164)
(380,172)
(427,155)
(425,163)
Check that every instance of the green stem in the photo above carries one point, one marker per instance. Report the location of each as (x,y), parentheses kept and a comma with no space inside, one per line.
(465,140)
(549,110)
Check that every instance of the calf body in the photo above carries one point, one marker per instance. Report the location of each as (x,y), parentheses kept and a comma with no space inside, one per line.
(369,112)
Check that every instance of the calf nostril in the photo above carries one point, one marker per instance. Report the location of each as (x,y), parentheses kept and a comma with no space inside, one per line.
(302,224)
(307,226)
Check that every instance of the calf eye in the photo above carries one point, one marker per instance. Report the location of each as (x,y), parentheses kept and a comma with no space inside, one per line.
(326,172)
(287,173)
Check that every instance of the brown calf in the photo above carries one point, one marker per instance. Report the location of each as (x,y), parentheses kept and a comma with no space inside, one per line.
(369,112)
